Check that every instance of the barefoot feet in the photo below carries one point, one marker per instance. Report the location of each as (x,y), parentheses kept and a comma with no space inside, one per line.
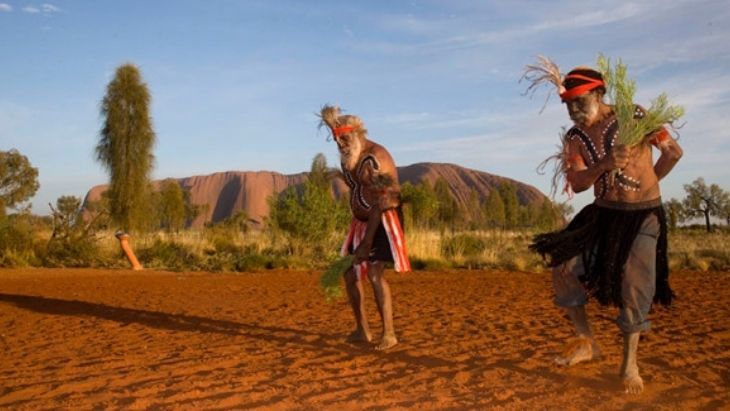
(633,384)
(629,369)
(386,342)
(359,336)
(578,350)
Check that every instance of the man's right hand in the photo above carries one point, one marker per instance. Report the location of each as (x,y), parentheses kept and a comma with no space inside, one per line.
(617,158)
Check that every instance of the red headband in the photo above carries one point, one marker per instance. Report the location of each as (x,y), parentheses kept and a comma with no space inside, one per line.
(338,131)
(574,92)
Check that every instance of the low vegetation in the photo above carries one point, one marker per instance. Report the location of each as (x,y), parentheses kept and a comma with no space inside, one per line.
(28,241)
(307,224)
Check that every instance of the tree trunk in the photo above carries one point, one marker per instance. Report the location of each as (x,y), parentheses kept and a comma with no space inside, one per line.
(707,221)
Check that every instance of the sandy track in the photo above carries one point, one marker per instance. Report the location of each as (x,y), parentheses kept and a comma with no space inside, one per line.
(117,339)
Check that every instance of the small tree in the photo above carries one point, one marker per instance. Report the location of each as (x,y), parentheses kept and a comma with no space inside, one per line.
(494,210)
(704,201)
(310,217)
(547,215)
(66,214)
(508,192)
(448,208)
(475,210)
(18,180)
(171,207)
(422,203)
(125,146)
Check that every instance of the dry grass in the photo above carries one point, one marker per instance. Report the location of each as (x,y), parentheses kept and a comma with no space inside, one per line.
(697,249)
(219,250)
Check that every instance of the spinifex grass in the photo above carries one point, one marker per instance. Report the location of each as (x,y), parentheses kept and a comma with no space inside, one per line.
(331,279)
(620,90)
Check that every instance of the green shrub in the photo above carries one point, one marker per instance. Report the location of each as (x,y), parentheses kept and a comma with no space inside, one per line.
(252,262)
(463,245)
(19,241)
(72,252)
(170,255)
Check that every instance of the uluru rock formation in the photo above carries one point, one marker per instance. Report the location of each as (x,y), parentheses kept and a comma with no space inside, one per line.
(223,194)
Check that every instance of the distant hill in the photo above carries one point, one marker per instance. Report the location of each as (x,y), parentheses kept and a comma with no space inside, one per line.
(227,192)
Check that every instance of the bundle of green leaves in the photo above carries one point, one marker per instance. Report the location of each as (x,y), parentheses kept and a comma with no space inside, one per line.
(331,279)
(620,91)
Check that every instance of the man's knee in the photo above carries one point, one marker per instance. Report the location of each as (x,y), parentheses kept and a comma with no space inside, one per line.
(569,291)
(639,277)
(350,276)
(632,320)
(375,272)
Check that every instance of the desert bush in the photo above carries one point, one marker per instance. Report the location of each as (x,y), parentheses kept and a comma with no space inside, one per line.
(170,255)
(463,245)
(21,240)
(717,259)
(308,219)
(73,242)
(72,252)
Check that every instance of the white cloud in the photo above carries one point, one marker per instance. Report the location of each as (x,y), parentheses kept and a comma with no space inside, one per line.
(5,7)
(45,8)
(585,20)
(49,8)
(536,21)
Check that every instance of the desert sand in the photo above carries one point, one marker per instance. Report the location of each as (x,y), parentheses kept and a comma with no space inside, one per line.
(116,339)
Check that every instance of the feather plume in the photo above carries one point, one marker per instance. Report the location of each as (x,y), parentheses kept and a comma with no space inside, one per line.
(329,116)
(560,164)
(545,71)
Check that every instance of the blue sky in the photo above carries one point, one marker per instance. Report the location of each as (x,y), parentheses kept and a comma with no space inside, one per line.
(236,84)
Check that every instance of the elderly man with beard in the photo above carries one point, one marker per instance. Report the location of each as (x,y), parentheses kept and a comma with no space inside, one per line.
(615,248)
(375,236)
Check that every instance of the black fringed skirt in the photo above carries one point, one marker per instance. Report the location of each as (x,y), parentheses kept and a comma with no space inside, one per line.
(602,234)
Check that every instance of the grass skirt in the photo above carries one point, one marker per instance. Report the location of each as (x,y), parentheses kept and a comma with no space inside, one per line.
(603,236)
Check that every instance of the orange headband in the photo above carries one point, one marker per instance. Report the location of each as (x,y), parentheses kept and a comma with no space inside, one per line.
(338,131)
(574,92)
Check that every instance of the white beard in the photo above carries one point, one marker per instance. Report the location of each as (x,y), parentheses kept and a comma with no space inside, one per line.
(349,159)
(589,115)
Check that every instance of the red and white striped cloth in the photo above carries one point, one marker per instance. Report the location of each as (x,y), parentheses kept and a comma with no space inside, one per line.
(397,241)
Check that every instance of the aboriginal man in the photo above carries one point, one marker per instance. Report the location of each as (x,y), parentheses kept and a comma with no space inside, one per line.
(375,236)
(614,248)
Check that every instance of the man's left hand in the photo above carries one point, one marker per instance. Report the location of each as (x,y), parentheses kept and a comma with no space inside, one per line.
(362,253)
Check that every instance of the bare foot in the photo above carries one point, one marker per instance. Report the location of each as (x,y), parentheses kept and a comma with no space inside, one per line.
(629,370)
(633,384)
(386,342)
(632,380)
(578,350)
(359,336)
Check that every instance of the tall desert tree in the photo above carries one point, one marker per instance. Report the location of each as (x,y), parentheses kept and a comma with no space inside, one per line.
(125,146)
(18,179)
(704,201)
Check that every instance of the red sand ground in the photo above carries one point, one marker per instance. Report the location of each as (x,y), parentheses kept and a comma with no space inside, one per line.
(83,339)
